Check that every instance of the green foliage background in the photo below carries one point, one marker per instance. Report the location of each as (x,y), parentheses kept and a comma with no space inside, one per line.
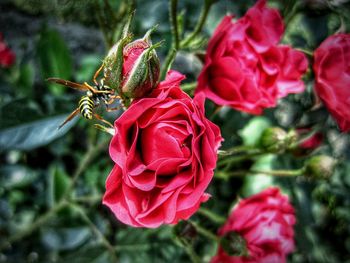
(42,167)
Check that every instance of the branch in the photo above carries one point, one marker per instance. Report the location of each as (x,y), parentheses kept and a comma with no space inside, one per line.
(96,231)
(199,25)
(175,39)
(34,226)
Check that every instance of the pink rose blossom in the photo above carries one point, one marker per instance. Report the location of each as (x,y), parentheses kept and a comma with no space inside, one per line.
(265,221)
(165,151)
(245,67)
(332,75)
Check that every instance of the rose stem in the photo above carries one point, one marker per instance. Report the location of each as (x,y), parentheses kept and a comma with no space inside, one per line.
(211,216)
(189,86)
(204,232)
(307,52)
(97,232)
(38,223)
(236,159)
(291,14)
(199,25)
(279,173)
(189,250)
(175,39)
(176,44)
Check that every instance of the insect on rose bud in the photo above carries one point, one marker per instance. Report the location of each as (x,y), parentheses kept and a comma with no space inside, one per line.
(133,67)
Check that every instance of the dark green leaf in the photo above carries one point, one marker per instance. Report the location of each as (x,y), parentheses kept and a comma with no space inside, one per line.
(33,134)
(88,254)
(65,238)
(17,112)
(26,79)
(16,176)
(59,181)
(54,58)
(88,66)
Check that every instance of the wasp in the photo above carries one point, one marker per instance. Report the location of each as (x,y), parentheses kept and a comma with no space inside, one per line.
(95,94)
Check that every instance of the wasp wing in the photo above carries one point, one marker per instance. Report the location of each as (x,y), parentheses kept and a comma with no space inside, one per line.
(68,83)
(69,118)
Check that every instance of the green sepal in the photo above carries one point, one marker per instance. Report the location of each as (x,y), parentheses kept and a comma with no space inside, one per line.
(113,64)
(147,36)
(126,27)
(234,244)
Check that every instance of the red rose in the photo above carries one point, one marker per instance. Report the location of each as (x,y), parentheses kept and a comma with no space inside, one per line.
(245,68)
(332,75)
(265,221)
(7,57)
(165,151)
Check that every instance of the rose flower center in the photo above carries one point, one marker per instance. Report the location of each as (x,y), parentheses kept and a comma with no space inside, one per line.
(165,141)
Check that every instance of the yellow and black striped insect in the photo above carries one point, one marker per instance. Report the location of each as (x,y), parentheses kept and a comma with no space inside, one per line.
(93,98)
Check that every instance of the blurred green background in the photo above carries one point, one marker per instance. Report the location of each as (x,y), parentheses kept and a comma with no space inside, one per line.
(41,165)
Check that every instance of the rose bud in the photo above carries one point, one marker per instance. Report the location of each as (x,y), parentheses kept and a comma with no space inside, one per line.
(265,221)
(245,66)
(185,231)
(332,77)
(234,244)
(141,67)
(320,167)
(273,139)
(133,68)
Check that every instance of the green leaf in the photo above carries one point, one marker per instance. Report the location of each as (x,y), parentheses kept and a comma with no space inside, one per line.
(16,176)
(88,67)
(91,254)
(24,126)
(26,79)
(54,58)
(65,238)
(59,181)
(18,111)
(255,183)
(33,134)
(252,131)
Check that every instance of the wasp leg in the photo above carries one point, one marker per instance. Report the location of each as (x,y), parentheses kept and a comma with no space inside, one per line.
(70,117)
(93,90)
(97,73)
(112,98)
(113,109)
(105,129)
(103,120)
